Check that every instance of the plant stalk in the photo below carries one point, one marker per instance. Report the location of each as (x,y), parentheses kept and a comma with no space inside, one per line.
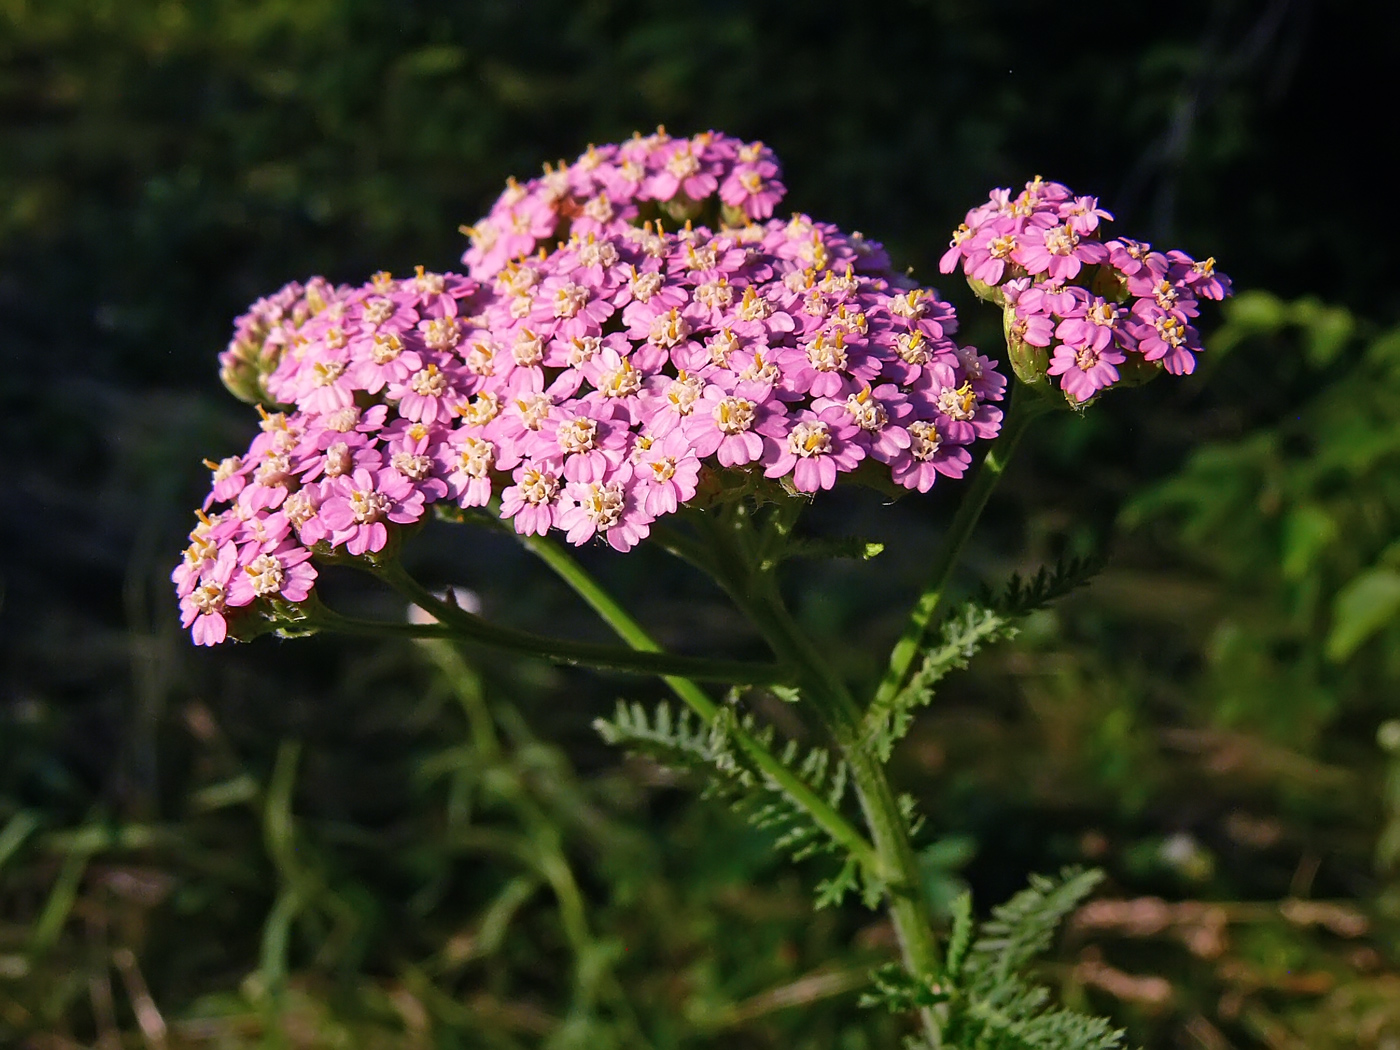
(1025,408)
(472,628)
(754,588)
(693,696)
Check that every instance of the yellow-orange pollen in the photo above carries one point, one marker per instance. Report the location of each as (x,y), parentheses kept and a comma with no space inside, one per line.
(958,403)
(569,299)
(368,507)
(910,348)
(266,574)
(734,415)
(386,348)
(669,329)
(428,382)
(683,391)
(924,440)
(809,439)
(753,307)
(577,435)
(324,373)
(413,465)
(604,504)
(868,413)
(1060,240)
(481,409)
(442,333)
(477,457)
(622,381)
(537,486)
(828,356)
(534,410)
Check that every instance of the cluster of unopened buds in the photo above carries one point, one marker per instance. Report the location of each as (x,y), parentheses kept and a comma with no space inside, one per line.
(606,360)
(1092,313)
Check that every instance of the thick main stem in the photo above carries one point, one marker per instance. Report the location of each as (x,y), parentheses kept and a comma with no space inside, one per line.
(1025,407)
(756,590)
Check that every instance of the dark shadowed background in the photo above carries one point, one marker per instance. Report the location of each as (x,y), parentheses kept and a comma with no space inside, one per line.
(282,843)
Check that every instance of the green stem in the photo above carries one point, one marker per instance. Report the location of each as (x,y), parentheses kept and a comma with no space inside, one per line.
(826,816)
(470,627)
(1024,409)
(754,587)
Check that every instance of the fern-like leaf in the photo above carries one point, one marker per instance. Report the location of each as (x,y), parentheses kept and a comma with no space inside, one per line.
(681,740)
(972,628)
(992,1004)
(977,624)
(1026,594)
(1024,926)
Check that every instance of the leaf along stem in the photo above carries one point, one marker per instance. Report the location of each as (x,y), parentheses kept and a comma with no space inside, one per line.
(744,566)
(825,815)
(1026,406)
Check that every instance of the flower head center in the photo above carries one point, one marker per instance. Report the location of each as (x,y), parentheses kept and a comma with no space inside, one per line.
(442,333)
(477,457)
(266,574)
(208,597)
(413,465)
(528,349)
(754,307)
(481,409)
(734,415)
(1061,240)
(683,391)
(669,329)
(604,504)
(339,460)
(577,435)
(1086,358)
(534,409)
(828,356)
(868,413)
(324,373)
(911,348)
(385,348)
(368,507)
(428,382)
(924,440)
(958,403)
(1001,247)
(569,299)
(622,381)
(808,439)
(538,486)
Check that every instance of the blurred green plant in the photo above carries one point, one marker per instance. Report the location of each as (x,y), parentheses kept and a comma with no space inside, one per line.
(1301,520)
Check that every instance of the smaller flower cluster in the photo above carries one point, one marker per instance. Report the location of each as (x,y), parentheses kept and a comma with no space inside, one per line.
(1078,307)
(614,186)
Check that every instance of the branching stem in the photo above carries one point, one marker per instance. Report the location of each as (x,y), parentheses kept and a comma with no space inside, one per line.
(1025,408)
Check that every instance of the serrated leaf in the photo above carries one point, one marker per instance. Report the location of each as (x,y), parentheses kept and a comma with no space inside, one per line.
(960,940)
(680,739)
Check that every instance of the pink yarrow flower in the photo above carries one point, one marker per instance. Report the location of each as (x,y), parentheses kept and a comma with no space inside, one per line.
(594,373)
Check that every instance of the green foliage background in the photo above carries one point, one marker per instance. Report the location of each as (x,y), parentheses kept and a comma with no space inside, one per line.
(328,845)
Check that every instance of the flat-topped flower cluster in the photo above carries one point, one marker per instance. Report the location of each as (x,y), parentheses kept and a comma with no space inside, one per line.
(1090,305)
(591,372)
